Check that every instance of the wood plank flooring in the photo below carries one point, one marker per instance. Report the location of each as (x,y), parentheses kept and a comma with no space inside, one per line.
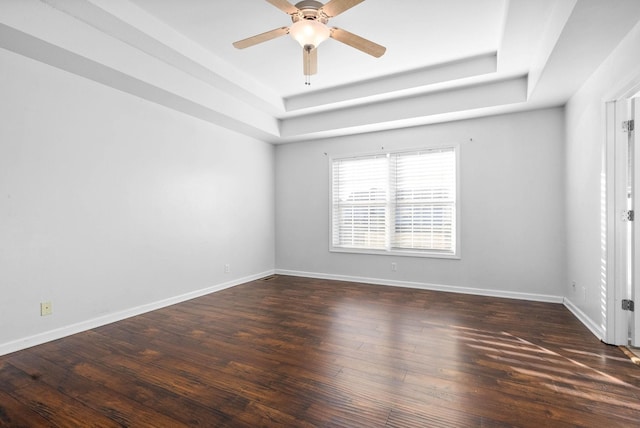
(296,352)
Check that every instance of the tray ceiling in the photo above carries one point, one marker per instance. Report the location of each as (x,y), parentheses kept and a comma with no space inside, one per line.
(445,60)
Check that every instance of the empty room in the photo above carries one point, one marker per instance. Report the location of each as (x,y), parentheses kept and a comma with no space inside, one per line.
(340,213)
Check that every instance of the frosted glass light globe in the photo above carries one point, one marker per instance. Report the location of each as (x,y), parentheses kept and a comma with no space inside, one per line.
(309,32)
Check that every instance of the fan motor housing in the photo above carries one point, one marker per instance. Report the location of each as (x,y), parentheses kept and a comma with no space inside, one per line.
(310,9)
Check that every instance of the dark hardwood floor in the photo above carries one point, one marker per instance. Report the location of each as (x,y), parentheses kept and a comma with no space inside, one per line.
(294,352)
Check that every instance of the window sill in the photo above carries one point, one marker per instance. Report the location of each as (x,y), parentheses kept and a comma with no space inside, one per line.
(401,253)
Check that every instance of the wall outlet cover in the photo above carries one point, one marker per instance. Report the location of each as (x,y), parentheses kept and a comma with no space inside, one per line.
(46,309)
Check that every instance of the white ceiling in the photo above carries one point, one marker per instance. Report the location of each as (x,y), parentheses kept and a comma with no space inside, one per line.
(445,59)
(417,34)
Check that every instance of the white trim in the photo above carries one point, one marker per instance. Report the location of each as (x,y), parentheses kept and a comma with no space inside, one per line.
(619,230)
(40,338)
(427,286)
(615,161)
(635,238)
(626,90)
(614,101)
(400,253)
(584,319)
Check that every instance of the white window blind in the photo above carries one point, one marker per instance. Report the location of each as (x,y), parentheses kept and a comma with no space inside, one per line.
(396,202)
(360,195)
(424,203)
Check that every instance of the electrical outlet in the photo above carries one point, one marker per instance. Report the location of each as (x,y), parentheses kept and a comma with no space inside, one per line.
(45,309)
(394,267)
(227,268)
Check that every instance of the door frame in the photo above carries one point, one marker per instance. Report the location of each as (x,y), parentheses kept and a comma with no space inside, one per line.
(613,198)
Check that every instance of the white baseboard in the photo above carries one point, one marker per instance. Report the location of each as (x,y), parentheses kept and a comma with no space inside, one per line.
(38,339)
(47,336)
(428,286)
(584,319)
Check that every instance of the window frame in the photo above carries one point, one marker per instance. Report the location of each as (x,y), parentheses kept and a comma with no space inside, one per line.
(389,251)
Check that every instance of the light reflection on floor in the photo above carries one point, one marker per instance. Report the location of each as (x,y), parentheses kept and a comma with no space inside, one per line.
(557,372)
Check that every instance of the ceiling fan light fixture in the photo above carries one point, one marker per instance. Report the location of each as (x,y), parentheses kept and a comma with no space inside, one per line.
(309,29)
(309,32)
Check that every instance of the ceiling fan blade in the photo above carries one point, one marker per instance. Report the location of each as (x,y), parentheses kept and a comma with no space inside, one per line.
(310,61)
(284,6)
(260,38)
(336,7)
(364,45)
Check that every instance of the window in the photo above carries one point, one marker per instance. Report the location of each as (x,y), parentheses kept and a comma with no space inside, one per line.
(396,203)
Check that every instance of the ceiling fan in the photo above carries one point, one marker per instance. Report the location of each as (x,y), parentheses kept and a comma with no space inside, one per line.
(309,28)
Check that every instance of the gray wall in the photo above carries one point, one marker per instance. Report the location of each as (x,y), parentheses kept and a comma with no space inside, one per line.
(111,205)
(512,202)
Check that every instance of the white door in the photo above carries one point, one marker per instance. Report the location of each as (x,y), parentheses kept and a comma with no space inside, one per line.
(634,256)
